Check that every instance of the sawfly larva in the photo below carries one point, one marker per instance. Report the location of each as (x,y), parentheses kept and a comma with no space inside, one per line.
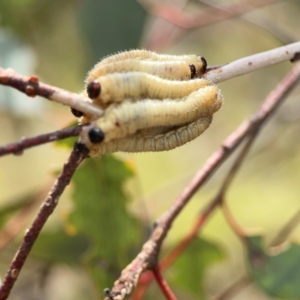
(126,118)
(173,70)
(148,103)
(172,67)
(138,85)
(168,123)
(167,140)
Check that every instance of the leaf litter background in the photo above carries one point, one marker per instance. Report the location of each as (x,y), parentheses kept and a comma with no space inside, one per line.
(109,209)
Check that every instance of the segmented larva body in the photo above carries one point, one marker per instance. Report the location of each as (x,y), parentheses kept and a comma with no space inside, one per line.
(127,118)
(173,70)
(149,105)
(137,85)
(178,67)
(167,140)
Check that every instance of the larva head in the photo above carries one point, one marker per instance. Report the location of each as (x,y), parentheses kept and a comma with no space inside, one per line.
(93,89)
(197,65)
(96,135)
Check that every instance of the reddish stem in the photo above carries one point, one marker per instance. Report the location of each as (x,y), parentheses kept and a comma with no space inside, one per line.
(163,284)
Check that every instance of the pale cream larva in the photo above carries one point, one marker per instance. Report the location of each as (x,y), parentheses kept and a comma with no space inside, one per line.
(138,85)
(170,122)
(126,118)
(179,67)
(167,140)
(171,69)
(148,103)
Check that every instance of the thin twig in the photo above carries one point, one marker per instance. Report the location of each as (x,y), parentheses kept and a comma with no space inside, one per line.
(163,284)
(32,87)
(234,289)
(201,220)
(25,143)
(207,17)
(78,154)
(252,63)
(147,258)
(286,230)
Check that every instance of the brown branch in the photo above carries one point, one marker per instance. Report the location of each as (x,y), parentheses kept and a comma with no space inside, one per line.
(147,258)
(32,87)
(25,143)
(201,220)
(78,154)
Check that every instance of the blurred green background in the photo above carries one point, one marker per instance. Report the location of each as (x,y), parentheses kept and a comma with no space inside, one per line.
(107,212)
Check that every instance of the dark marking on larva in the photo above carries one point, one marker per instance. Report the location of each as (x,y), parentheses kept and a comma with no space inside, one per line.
(117,124)
(96,135)
(76,112)
(193,71)
(204,64)
(295,57)
(249,63)
(93,89)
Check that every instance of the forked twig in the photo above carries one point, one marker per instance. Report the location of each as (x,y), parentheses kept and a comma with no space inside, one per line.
(169,259)
(147,258)
(78,154)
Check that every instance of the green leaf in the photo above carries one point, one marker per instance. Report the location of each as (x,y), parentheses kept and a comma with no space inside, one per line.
(100,214)
(188,271)
(278,275)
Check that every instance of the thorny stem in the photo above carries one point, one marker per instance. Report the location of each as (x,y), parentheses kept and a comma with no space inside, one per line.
(25,143)
(147,258)
(78,154)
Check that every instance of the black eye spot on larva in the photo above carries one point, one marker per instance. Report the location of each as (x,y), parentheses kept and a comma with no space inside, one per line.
(96,135)
(204,64)
(193,71)
(93,89)
(76,112)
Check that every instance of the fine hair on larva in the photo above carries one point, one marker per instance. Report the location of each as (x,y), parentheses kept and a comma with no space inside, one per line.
(162,65)
(142,54)
(173,70)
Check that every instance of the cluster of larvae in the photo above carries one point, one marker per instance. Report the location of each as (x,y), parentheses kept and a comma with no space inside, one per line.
(151,102)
